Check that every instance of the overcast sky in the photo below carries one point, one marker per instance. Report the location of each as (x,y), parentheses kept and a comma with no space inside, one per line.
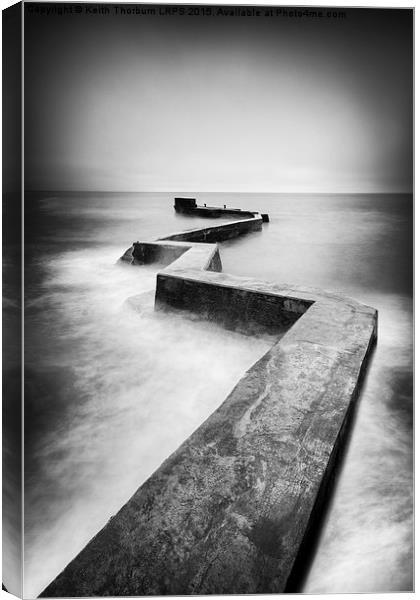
(270,104)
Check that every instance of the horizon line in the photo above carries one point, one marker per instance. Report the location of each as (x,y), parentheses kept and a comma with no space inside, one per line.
(116,191)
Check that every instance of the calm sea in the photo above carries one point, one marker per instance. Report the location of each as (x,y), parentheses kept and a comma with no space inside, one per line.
(112,390)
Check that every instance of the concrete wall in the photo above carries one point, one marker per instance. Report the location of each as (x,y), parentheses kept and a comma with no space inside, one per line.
(232,510)
(147,252)
(218,233)
(229,305)
(229,511)
(189,206)
(144,253)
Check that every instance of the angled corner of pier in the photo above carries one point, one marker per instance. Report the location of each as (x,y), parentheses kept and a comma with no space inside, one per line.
(230,511)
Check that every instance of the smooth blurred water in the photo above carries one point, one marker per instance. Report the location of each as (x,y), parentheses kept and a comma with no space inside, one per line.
(112,391)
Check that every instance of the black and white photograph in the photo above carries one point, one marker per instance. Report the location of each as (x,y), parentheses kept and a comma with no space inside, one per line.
(207,299)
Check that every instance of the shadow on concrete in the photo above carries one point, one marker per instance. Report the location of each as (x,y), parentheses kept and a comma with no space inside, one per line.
(323,504)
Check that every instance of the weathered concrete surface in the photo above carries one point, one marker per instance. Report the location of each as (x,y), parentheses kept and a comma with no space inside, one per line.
(228,512)
(224,301)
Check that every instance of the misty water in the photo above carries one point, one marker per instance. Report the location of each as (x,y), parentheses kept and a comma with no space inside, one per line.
(112,388)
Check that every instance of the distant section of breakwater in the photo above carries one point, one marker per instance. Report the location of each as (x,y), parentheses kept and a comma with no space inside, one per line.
(188,206)
(231,510)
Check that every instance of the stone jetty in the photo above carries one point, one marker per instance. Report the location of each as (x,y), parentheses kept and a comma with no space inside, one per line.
(234,508)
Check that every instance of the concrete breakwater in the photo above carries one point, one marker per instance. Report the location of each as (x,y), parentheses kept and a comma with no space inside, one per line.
(231,510)
(188,206)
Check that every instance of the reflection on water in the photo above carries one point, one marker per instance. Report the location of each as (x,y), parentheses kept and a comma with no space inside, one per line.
(112,391)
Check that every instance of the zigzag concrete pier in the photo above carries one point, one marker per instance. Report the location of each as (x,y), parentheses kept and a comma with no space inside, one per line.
(230,510)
